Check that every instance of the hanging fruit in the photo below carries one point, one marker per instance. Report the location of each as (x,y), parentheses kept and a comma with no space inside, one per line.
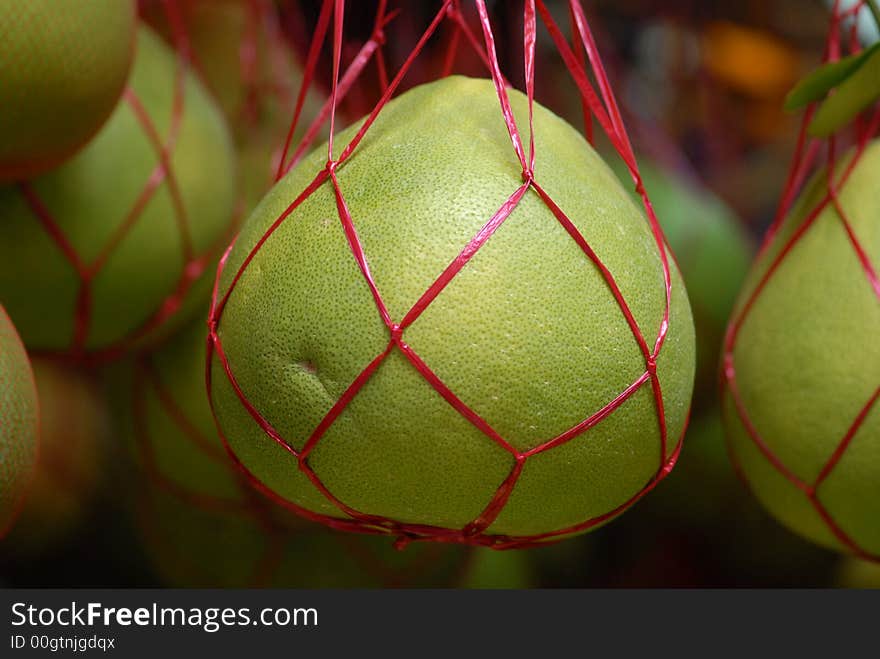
(512,401)
(63,66)
(112,248)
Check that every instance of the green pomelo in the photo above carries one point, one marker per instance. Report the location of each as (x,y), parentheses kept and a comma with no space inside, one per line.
(498,569)
(712,250)
(74,430)
(209,528)
(244,64)
(18,430)
(253,75)
(527,334)
(807,361)
(855,573)
(63,65)
(90,199)
(239,50)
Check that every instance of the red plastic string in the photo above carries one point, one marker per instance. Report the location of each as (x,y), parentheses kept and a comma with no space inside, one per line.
(193,265)
(805,160)
(608,117)
(248,505)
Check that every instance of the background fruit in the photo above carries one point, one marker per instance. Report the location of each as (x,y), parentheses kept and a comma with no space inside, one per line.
(512,335)
(72,465)
(63,65)
(854,573)
(240,54)
(806,360)
(119,217)
(18,432)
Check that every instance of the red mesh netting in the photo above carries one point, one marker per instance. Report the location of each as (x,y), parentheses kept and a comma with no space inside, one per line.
(842,36)
(277,527)
(581,58)
(193,265)
(248,505)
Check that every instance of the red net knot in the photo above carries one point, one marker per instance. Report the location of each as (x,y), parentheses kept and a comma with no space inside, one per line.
(728,366)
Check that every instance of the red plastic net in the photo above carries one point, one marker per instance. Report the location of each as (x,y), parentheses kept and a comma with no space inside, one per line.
(810,153)
(581,58)
(193,264)
(275,525)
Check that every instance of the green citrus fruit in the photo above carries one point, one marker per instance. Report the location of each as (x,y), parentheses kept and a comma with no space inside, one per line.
(527,335)
(239,52)
(74,429)
(712,250)
(498,569)
(855,573)
(202,525)
(806,362)
(63,65)
(18,432)
(124,228)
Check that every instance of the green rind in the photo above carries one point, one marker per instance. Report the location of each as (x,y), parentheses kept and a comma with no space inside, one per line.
(90,198)
(807,359)
(63,66)
(505,335)
(18,430)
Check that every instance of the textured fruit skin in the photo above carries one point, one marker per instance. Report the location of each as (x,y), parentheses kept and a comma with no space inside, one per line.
(806,361)
(201,525)
(18,430)
(74,430)
(90,199)
(712,250)
(527,334)
(63,65)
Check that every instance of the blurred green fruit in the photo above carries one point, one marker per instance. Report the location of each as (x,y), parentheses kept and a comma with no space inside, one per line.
(63,65)
(101,253)
(527,335)
(74,430)
(855,573)
(18,431)
(239,51)
(803,370)
(499,569)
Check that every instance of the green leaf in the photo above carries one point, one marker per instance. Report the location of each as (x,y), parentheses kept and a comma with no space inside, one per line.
(818,83)
(855,94)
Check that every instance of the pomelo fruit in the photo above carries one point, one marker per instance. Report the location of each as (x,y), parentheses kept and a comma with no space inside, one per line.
(18,431)
(803,364)
(202,525)
(70,469)
(113,211)
(527,335)
(855,573)
(498,569)
(239,52)
(713,251)
(63,65)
